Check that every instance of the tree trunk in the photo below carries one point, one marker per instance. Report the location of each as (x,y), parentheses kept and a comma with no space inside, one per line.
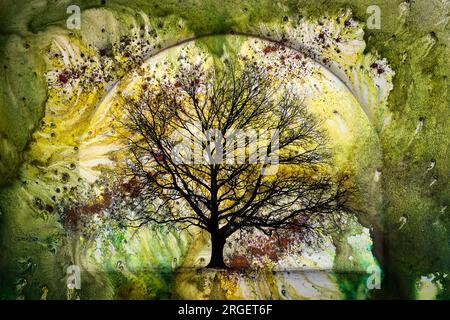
(217,245)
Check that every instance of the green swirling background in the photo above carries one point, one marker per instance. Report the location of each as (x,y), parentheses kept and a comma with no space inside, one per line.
(410,239)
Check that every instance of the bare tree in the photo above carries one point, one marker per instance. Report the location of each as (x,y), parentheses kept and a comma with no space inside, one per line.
(255,158)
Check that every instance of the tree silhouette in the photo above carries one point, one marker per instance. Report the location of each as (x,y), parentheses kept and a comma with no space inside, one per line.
(226,150)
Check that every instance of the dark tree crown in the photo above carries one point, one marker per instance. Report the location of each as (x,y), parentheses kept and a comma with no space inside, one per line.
(222,181)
